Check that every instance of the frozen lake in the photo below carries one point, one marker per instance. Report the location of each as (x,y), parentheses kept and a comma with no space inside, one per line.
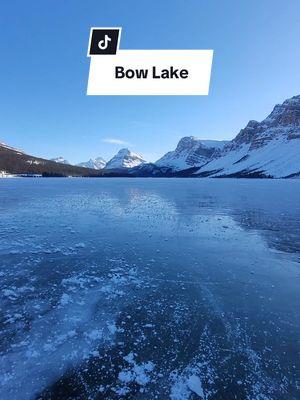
(149,289)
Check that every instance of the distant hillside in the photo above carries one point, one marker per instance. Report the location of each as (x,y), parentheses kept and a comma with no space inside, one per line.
(16,162)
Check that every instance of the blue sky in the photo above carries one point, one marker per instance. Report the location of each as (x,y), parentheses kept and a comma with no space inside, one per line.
(44,69)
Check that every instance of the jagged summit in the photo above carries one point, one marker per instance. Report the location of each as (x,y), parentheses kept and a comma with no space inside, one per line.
(190,152)
(96,163)
(287,113)
(267,148)
(125,159)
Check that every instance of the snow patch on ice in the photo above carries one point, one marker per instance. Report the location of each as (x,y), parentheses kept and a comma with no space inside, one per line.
(195,385)
(135,372)
(65,299)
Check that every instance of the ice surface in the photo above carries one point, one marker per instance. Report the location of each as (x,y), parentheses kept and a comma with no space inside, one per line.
(149,288)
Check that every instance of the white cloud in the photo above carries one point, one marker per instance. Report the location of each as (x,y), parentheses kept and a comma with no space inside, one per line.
(114,141)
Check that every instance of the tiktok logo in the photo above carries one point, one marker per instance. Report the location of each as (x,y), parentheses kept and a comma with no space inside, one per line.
(104,41)
(103,44)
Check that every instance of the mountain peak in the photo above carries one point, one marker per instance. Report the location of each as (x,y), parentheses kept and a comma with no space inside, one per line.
(96,163)
(293,100)
(287,113)
(280,123)
(125,159)
(124,151)
(187,142)
(190,152)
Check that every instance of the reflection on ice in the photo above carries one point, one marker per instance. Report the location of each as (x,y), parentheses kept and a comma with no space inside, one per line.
(149,288)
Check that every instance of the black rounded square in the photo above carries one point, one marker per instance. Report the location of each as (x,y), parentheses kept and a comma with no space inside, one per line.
(104,41)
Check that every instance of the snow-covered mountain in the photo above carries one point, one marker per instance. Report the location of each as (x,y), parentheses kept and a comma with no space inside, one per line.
(191,152)
(269,148)
(96,163)
(125,159)
(60,160)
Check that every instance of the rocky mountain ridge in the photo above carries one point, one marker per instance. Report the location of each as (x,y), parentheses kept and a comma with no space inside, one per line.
(266,149)
(96,163)
(191,152)
(270,148)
